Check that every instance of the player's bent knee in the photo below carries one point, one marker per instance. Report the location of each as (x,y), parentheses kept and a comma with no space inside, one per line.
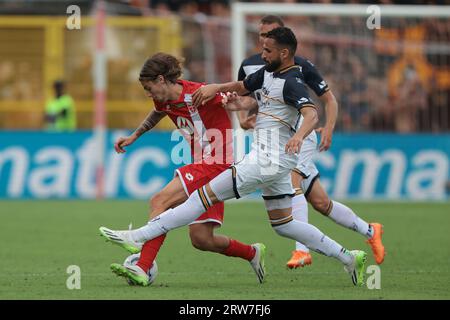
(322,205)
(200,242)
(280,214)
(278,207)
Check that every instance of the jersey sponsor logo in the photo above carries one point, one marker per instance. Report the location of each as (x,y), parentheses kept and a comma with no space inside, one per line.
(189,176)
(185,125)
(298,80)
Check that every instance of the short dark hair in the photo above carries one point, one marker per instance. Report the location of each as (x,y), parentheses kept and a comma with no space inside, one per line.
(161,64)
(271,18)
(284,37)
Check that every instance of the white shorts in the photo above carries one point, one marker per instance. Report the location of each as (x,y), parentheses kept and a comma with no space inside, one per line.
(305,166)
(255,171)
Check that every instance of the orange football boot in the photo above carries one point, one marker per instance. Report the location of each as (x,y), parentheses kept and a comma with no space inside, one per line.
(376,244)
(299,259)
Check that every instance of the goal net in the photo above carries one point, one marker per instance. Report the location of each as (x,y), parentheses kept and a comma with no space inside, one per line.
(389,66)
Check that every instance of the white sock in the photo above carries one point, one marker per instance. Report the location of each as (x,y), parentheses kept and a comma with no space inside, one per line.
(300,213)
(170,219)
(343,215)
(313,238)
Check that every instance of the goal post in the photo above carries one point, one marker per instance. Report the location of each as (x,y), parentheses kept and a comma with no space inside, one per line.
(100,83)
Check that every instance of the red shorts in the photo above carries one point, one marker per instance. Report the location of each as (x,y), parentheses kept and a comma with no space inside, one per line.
(196,175)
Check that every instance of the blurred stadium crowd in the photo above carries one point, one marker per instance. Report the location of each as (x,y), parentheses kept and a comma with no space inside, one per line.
(394,79)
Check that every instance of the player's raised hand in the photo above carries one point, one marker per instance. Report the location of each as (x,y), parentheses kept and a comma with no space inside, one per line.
(326,136)
(122,142)
(204,94)
(294,145)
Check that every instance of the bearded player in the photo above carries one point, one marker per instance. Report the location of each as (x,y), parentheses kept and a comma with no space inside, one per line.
(306,177)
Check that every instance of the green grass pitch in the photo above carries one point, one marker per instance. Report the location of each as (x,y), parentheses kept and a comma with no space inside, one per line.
(40,239)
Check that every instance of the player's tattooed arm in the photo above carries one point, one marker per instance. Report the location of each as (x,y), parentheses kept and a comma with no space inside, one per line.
(152,119)
(149,123)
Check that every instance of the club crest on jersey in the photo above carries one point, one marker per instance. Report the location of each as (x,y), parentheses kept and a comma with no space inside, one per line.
(185,125)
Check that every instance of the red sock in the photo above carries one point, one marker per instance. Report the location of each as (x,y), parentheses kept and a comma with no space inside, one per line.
(149,251)
(239,249)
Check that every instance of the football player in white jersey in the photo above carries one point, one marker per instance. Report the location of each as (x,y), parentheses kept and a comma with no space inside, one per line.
(305,176)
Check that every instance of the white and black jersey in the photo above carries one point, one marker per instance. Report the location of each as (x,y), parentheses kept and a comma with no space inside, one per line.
(309,73)
(280,96)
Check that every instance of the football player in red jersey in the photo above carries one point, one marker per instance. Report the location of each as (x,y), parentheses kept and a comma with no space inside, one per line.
(208,129)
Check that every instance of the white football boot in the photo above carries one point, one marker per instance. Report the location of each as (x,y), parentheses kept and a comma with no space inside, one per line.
(258,263)
(121,238)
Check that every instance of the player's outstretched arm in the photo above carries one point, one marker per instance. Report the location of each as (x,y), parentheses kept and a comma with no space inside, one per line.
(310,120)
(152,120)
(208,92)
(331,112)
